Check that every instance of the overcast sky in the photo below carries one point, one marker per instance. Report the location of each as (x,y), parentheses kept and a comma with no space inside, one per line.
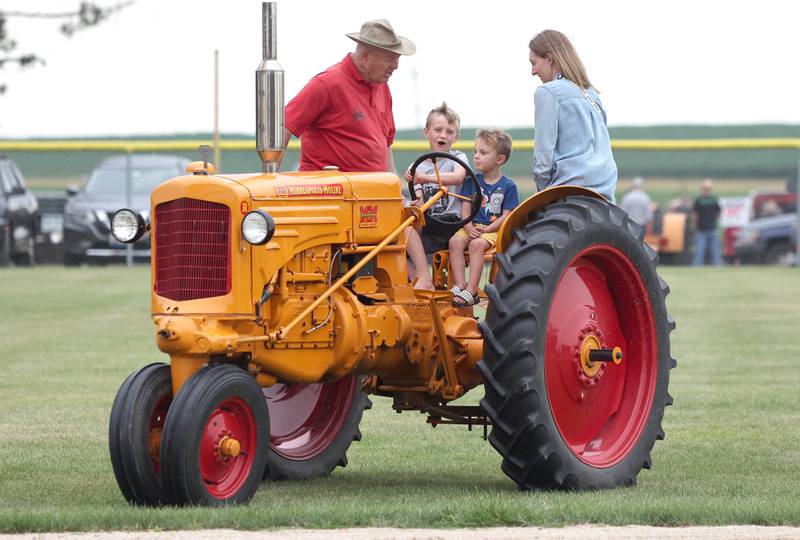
(150,68)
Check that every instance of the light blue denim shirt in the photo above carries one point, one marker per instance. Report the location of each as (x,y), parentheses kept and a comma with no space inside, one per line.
(572,142)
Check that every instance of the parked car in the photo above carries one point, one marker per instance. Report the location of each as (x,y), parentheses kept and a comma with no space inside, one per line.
(88,211)
(17,216)
(769,240)
(739,211)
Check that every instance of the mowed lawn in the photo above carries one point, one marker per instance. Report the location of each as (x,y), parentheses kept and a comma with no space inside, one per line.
(68,337)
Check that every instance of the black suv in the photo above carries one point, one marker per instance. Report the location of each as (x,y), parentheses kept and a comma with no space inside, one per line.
(18,209)
(87,214)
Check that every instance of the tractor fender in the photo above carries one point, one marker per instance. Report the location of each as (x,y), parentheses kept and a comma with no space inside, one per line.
(521,215)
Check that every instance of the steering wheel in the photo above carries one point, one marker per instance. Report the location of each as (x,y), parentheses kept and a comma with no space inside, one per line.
(476,200)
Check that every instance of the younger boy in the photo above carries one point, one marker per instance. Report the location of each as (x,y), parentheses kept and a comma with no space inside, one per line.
(500,196)
(441,129)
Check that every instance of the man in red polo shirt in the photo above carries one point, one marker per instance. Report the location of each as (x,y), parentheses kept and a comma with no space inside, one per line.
(344,115)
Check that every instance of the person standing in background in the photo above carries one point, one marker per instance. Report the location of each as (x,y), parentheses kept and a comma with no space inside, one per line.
(637,204)
(706,214)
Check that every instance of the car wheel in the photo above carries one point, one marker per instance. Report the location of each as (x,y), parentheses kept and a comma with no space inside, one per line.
(779,254)
(72,259)
(28,256)
(5,246)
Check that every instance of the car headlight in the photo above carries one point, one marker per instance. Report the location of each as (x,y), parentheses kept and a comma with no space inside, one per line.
(79,215)
(102,217)
(127,226)
(258,227)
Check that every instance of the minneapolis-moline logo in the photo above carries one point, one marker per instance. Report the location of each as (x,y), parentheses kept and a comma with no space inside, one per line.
(310,190)
(369,216)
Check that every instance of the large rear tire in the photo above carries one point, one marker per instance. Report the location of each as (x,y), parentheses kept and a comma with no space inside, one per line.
(134,433)
(312,427)
(214,443)
(576,278)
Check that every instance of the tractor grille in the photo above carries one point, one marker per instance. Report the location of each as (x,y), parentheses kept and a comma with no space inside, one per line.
(192,255)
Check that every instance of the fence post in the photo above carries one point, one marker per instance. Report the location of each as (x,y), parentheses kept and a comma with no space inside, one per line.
(797,210)
(128,200)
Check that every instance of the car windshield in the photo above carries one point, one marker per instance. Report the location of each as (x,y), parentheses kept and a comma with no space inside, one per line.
(111,180)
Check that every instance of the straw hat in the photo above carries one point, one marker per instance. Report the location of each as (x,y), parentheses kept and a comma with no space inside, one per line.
(379,33)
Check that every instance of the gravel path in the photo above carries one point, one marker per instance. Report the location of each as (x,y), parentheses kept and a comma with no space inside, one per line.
(579,532)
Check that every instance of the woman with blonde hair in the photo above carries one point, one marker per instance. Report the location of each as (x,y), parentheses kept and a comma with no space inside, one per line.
(572,145)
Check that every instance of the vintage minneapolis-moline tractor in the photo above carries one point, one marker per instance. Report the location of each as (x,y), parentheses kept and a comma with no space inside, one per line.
(283,300)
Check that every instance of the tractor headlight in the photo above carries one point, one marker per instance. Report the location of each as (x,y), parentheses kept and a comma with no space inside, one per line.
(127,226)
(258,227)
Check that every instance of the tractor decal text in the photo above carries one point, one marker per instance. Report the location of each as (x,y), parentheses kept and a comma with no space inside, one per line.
(310,190)
(369,216)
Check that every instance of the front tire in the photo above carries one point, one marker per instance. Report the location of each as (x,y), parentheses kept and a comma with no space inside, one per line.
(578,277)
(134,433)
(215,440)
(312,427)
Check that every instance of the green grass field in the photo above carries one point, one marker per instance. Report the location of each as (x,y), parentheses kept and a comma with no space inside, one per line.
(731,456)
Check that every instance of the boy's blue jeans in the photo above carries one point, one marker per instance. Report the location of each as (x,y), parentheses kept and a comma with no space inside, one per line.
(703,241)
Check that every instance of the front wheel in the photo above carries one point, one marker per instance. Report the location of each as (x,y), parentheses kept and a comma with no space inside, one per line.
(134,433)
(312,427)
(565,416)
(214,443)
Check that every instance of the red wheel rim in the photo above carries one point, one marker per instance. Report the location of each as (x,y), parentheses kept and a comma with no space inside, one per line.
(304,419)
(600,417)
(155,428)
(225,475)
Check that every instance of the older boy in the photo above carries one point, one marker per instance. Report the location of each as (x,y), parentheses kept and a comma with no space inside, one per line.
(442,130)
(500,196)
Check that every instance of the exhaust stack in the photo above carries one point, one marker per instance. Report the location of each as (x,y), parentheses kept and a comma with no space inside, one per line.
(269,95)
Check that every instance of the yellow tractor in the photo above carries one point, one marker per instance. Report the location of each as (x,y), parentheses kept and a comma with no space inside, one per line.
(283,300)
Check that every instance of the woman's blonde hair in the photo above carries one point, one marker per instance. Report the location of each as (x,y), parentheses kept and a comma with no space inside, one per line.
(560,49)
